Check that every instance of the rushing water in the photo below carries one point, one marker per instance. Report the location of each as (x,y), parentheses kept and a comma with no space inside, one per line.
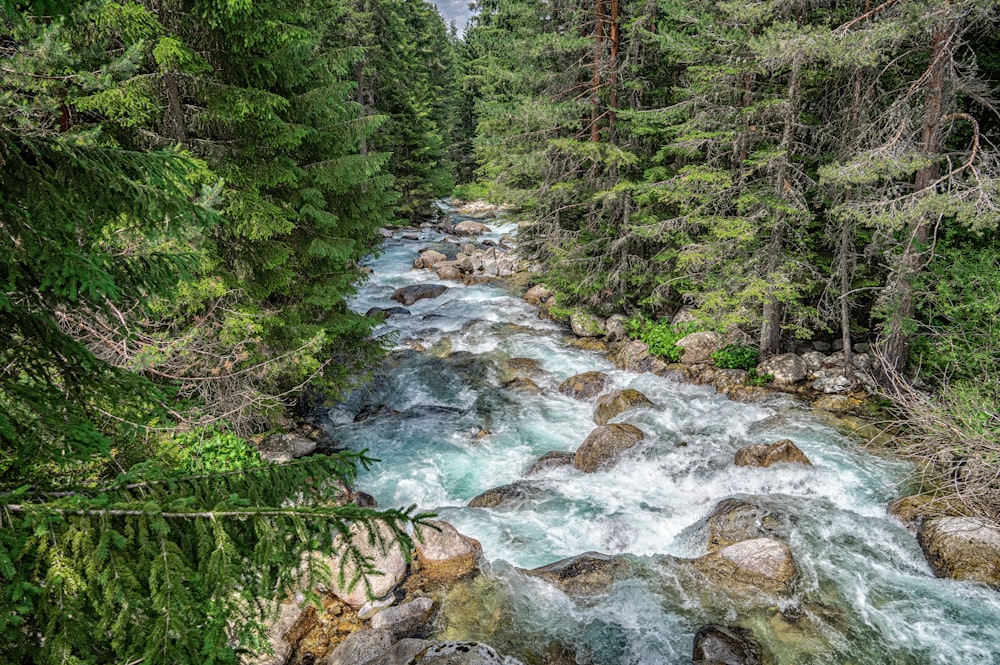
(445,431)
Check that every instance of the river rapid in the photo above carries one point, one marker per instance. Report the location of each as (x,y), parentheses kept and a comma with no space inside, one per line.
(445,431)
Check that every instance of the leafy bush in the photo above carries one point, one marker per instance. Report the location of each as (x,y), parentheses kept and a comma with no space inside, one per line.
(208,451)
(755,379)
(661,337)
(735,356)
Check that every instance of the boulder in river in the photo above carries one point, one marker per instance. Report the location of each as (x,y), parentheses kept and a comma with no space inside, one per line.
(962,548)
(765,564)
(444,553)
(537,295)
(585,324)
(766,454)
(736,520)
(408,295)
(618,402)
(448,271)
(584,386)
(725,645)
(470,228)
(402,652)
(508,496)
(524,385)
(551,460)
(385,556)
(587,573)
(406,620)
(461,653)
(361,646)
(787,368)
(699,346)
(431,258)
(388,312)
(605,445)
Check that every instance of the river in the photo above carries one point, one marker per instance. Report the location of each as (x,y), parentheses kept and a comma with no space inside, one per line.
(445,431)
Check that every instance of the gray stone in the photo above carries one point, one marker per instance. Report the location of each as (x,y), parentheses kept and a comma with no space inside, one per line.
(469,228)
(507,496)
(408,295)
(384,554)
(275,629)
(406,620)
(373,607)
(550,460)
(280,448)
(584,386)
(605,446)
(699,347)
(962,548)
(632,356)
(462,653)
(585,324)
(615,328)
(787,368)
(401,653)
(831,382)
(360,647)
(766,454)
(725,645)
(443,552)
(618,402)
(736,520)
(585,574)
(813,360)
(765,564)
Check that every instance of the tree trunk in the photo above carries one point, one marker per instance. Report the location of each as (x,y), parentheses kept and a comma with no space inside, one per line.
(896,342)
(595,114)
(613,82)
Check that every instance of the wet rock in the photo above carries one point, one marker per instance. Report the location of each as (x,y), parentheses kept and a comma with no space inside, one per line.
(388,312)
(462,653)
(604,446)
(408,295)
(448,271)
(765,564)
(360,647)
(513,368)
(524,385)
(913,510)
(618,402)
(837,403)
(537,295)
(595,344)
(470,228)
(585,324)
(401,653)
(279,448)
(373,607)
(385,233)
(725,645)
(410,236)
(406,620)
(444,553)
(699,347)
(787,368)
(550,460)
(584,386)
(735,520)
(385,556)
(508,496)
(363,499)
(431,258)
(766,454)
(584,574)
(962,548)
(372,411)
(615,329)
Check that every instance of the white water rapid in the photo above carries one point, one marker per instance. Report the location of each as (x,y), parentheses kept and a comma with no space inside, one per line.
(445,431)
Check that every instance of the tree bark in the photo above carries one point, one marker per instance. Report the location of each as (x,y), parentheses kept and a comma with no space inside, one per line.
(595,114)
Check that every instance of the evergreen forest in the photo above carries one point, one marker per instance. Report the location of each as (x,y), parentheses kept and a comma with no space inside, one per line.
(187,188)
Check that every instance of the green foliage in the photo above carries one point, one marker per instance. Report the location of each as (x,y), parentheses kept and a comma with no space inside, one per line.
(661,337)
(755,379)
(209,451)
(735,356)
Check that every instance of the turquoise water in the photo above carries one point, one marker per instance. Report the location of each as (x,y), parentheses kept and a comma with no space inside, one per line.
(866,594)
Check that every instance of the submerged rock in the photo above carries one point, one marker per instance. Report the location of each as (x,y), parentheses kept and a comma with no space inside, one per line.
(763,563)
(725,645)
(618,402)
(550,460)
(699,347)
(962,548)
(584,386)
(766,454)
(736,520)
(444,553)
(587,573)
(408,295)
(518,368)
(508,496)
(605,445)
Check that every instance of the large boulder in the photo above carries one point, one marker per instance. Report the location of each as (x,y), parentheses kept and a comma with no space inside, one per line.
(962,548)
(448,271)
(524,385)
(635,357)
(537,295)
(766,454)
(470,228)
(618,402)
(605,445)
(787,368)
(551,460)
(383,552)
(725,645)
(736,520)
(408,295)
(764,564)
(444,553)
(360,647)
(401,653)
(585,574)
(615,329)
(518,368)
(431,258)
(585,324)
(584,386)
(699,346)
(280,448)
(461,653)
(509,496)
(405,620)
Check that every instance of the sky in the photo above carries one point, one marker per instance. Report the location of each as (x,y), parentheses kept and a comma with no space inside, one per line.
(454,9)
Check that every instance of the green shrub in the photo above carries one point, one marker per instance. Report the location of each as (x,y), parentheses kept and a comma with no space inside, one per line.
(208,451)
(735,356)
(661,337)
(755,379)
